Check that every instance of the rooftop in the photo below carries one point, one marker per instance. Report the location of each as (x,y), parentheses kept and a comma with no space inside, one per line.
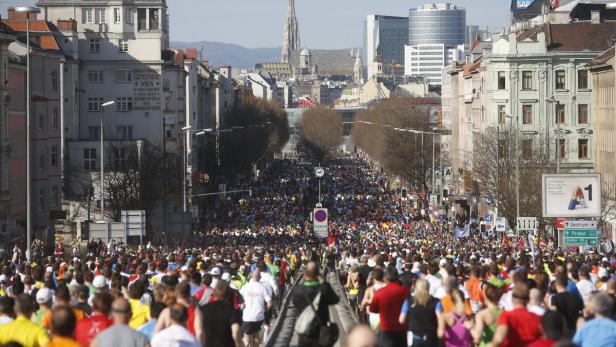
(574,37)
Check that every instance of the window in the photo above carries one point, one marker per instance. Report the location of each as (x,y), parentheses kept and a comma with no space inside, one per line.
(42,162)
(560,79)
(563,148)
(168,133)
(582,114)
(95,45)
(94,133)
(527,114)
(527,80)
(96,76)
(54,156)
(501,80)
(124,104)
(54,80)
(42,198)
(128,15)
(583,149)
(55,196)
(94,104)
(119,157)
(123,46)
(582,79)
(54,118)
(124,75)
(100,15)
(88,15)
(124,132)
(117,15)
(89,159)
(560,114)
(527,149)
(501,114)
(41,122)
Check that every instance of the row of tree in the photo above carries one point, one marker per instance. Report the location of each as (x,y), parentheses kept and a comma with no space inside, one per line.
(383,132)
(320,133)
(139,175)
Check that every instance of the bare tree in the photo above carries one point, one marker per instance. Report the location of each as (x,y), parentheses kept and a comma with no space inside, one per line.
(494,170)
(320,132)
(391,133)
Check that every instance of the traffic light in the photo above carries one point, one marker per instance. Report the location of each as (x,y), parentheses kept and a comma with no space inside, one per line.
(445,193)
(403,192)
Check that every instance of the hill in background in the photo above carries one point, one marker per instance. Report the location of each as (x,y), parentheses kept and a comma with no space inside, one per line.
(219,53)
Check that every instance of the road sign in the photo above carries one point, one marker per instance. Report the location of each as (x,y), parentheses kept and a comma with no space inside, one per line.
(571,195)
(501,224)
(527,223)
(580,233)
(320,222)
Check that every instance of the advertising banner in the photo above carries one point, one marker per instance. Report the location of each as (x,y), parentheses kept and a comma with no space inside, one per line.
(571,195)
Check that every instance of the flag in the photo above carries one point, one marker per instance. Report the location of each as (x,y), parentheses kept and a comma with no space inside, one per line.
(462,232)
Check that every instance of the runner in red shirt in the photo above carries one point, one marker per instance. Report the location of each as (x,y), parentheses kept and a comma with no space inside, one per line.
(87,329)
(517,328)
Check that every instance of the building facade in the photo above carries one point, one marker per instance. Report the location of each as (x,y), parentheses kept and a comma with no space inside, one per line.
(436,38)
(384,40)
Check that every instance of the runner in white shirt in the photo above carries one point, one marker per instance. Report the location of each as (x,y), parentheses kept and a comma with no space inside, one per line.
(256,300)
(176,334)
(584,285)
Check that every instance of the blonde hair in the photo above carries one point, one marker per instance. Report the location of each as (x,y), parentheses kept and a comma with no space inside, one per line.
(422,292)
(458,303)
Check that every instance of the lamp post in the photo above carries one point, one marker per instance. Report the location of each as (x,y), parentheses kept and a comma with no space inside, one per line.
(517,165)
(553,100)
(186,131)
(28,10)
(102,110)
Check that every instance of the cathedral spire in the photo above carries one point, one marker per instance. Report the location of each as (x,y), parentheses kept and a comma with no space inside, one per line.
(290,40)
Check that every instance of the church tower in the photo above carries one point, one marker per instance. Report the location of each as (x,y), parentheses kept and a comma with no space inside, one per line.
(358,69)
(290,40)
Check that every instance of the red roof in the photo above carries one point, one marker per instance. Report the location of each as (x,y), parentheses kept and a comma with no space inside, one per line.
(39,29)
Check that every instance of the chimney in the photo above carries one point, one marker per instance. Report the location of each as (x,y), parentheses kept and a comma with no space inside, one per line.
(11,14)
(67,25)
(226,71)
(595,17)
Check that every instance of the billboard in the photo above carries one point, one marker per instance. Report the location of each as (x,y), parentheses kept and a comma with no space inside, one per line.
(571,195)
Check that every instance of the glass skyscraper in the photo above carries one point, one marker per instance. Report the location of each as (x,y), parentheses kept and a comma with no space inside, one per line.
(384,41)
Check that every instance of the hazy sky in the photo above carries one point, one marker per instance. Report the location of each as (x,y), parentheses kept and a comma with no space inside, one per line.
(323,23)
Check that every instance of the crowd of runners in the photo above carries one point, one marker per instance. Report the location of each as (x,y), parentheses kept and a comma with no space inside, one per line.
(408,279)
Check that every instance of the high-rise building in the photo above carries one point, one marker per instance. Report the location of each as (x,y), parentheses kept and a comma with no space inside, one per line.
(384,41)
(436,38)
(290,40)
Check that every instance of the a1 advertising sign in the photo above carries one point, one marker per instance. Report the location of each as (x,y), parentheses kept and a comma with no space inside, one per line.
(571,195)
(320,222)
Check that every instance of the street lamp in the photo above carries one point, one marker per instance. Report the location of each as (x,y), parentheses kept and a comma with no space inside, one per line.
(28,10)
(553,100)
(186,131)
(102,108)
(517,165)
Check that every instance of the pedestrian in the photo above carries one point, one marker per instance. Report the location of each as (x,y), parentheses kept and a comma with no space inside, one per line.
(22,330)
(221,326)
(387,302)
(148,328)
(87,329)
(419,313)
(63,322)
(256,301)
(600,331)
(485,320)
(304,298)
(120,334)
(519,327)
(360,336)
(456,323)
(176,334)
(569,305)
(553,326)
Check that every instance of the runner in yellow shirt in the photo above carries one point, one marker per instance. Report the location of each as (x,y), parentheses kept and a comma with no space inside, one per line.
(22,330)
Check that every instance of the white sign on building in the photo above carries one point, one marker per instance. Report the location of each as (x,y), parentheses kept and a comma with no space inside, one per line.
(147,89)
(571,195)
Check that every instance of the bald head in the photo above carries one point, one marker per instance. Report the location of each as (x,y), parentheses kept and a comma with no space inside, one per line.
(120,311)
(361,336)
(311,271)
